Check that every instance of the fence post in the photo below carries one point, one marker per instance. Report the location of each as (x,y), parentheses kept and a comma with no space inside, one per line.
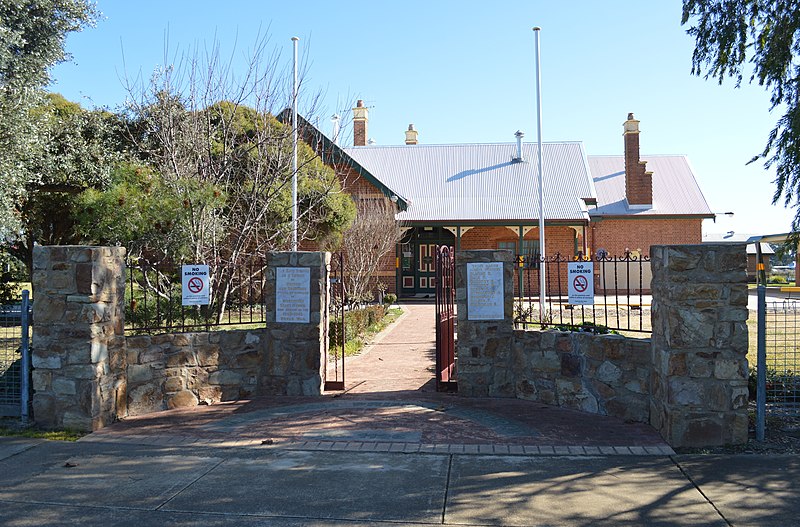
(761,363)
(25,369)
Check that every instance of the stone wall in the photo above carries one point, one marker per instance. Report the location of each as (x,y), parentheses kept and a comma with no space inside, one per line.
(86,373)
(78,352)
(603,374)
(186,369)
(689,380)
(600,374)
(699,394)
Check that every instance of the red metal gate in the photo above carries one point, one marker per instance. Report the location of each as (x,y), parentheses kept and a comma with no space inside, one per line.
(445,319)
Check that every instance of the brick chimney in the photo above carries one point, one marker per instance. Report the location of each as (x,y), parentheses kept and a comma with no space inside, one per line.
(411,135)
(360,118)
(638,181)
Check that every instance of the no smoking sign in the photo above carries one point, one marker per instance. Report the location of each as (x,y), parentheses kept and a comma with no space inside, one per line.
(195,290)
(581,283)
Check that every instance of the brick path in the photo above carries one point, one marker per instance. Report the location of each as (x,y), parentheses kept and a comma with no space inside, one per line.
(401,359)
(391,405)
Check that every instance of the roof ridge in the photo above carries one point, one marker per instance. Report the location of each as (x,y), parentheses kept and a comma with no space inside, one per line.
(426,145)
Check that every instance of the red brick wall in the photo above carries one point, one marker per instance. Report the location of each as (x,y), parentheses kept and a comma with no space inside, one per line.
(639,234)
(357,186)
(557,239)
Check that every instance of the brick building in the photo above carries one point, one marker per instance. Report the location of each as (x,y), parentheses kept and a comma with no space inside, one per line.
(485,196)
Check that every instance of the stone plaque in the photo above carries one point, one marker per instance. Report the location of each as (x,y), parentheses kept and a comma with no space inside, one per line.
(485,291)
(293,295)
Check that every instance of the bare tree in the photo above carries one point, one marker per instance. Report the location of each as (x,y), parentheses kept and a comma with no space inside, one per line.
(213,137)
(373,234)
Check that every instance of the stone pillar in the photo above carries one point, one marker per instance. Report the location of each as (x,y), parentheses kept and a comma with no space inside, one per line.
(78,349)
(294,361)
(484,364)
(699,314)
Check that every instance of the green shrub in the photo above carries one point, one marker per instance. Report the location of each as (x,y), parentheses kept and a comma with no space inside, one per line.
(586,327)
(389,298)
(777,279)
(356,323)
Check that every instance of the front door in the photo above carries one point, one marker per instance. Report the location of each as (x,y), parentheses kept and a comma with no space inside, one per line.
(417,259)
(426,268)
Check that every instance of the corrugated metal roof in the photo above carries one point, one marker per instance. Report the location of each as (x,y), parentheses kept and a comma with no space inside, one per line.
(675,189)
(732,237)
(481,182)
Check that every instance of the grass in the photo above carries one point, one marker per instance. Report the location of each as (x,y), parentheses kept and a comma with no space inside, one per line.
(355,345)
(12,428)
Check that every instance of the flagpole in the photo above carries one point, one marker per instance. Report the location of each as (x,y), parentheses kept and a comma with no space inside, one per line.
(294,149)
(542,263)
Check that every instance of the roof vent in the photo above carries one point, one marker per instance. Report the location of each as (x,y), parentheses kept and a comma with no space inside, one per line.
(519,135)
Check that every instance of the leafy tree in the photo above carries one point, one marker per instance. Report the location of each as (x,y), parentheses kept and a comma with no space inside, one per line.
(758,40)
(32,35)
(76,152)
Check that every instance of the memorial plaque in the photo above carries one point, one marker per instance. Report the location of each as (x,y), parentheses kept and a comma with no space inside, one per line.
(293,295)
(485,291)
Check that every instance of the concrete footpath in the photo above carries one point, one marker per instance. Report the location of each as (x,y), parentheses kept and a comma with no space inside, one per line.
(104,483)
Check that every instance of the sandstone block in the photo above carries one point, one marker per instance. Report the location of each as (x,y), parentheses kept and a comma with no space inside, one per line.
(139,373)
(45,362)
(226,377)
(62,386)
(608,372)
(182,399)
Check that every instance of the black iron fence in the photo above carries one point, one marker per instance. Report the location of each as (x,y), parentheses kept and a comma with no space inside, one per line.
(154,297)
(620,299)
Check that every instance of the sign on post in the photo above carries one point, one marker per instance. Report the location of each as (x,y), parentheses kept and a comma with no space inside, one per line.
(580,280)
(195,285)
(293,295)
(485,291)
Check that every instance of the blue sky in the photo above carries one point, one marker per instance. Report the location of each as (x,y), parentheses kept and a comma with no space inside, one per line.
(463,72)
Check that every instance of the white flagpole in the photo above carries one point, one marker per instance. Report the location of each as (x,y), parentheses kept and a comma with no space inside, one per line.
(294,151)
(542,264)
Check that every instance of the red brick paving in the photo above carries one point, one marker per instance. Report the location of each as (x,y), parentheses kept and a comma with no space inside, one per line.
(390,393)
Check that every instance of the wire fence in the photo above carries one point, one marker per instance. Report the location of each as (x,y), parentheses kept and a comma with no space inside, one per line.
(782,358)
(15,333)
(621,297)
(154,298)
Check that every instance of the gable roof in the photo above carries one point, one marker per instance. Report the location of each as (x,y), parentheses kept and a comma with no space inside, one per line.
(675,189)
(482,182)
(331,153)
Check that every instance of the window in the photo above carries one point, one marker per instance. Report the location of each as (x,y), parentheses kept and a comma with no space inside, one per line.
(511,246)
(530,250)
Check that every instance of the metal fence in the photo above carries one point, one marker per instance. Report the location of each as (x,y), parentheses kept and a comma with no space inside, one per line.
(621,294)
(15,334)
(154,298)
(782,358)
(337,334)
